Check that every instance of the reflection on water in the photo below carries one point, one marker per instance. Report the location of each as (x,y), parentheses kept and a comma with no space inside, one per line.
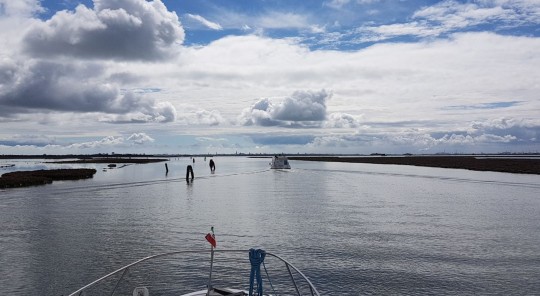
(352,228)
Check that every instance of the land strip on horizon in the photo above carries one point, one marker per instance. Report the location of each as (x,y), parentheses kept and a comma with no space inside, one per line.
(505,165)
(523,163)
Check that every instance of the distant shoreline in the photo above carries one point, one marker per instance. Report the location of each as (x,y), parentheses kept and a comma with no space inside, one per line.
(518,163)
(516,166)
(111,160)
(252,155)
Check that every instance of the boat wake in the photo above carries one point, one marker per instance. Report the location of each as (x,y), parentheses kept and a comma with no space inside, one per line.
(113,186)
(442,178)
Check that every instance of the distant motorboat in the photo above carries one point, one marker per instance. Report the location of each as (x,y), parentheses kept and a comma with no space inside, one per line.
(280,162)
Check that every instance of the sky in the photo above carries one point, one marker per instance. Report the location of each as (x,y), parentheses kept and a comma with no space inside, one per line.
(262,76)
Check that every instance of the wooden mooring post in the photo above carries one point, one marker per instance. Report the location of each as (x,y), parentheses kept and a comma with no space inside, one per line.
(189,173)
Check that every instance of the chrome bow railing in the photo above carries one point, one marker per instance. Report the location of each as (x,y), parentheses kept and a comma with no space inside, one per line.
(299,283)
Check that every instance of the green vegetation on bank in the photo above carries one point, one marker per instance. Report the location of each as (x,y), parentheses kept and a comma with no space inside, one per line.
(506,165)
(42,177)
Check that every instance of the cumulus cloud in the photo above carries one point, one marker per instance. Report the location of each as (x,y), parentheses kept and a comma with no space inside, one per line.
(72,87)
(301,109)
(191,115)
(504,130)
(108,141)
(140,138)
(51,82)
(113,141)
(205,117)
(341,120)
(427,141)
(525,130)
(54,86)
(25,144)
(121,29)
(24,8)
(414,141)
(158,112)
(485,136)
(331,142)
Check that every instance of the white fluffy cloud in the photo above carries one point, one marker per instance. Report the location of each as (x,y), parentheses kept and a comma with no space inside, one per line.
(341,120)
(415,142)
(490,136)
(121,29)
(191,115)
(525,130)
(302,108)
(66,64)
(111,142)
(158,112)
(140,138)
(426,141)
(19,8)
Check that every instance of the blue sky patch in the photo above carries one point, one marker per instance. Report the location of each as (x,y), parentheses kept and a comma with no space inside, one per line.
(493,105)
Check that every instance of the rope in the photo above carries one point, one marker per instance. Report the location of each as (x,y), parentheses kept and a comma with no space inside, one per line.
(256,257)
(268,277)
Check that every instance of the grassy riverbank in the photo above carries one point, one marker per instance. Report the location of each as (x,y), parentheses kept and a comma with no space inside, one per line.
(506,165)
(42,177)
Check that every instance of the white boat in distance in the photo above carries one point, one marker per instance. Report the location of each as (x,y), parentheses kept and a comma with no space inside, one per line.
(280,162)
(234,277)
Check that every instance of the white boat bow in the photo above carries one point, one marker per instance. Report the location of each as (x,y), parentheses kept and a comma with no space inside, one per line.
(127,281)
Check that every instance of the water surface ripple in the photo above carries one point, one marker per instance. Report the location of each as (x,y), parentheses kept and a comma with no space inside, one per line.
(354,229)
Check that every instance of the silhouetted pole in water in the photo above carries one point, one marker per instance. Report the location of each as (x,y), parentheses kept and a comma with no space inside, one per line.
(212,166)
(188,172)
(166,169)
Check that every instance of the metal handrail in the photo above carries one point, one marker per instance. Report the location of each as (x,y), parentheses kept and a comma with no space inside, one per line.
(123,269)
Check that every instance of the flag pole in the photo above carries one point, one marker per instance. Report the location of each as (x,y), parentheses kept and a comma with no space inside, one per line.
(211,263)
(211,266)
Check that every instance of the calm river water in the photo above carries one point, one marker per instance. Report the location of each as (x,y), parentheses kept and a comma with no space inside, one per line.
(353,229)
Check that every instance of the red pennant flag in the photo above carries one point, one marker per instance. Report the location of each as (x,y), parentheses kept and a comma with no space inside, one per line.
(211,239)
